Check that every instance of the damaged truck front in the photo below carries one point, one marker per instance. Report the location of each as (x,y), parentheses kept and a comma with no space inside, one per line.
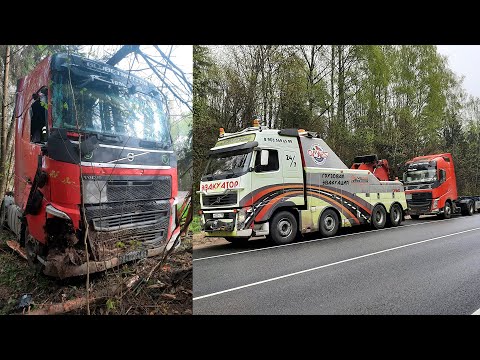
(95,173)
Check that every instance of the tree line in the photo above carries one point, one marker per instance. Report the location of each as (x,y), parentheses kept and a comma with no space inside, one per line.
(397,101)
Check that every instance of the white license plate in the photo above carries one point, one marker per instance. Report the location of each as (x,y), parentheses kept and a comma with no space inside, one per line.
(408,196)
(217,215)
(134,255)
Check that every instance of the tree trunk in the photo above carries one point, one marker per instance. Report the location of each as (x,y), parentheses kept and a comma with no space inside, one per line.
(332,88)
(6,72)
(3,124)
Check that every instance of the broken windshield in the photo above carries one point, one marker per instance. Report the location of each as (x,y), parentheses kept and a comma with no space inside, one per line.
(106,106)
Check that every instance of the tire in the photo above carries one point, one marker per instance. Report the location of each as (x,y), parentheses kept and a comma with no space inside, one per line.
(415,217)
(379,217)
(447,211)
(469,209)
(237,241)
(329,223)
(283,228)
(32,248)
(395,216)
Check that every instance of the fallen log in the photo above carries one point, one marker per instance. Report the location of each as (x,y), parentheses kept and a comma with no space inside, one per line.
(15,246)
(78,303)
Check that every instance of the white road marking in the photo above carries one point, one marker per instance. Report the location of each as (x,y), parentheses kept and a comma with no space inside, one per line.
(476,312)
(309,241)
(328,265)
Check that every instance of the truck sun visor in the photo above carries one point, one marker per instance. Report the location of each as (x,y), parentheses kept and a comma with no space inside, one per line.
(248,145)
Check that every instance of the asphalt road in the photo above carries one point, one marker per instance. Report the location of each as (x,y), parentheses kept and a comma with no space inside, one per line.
(427,266)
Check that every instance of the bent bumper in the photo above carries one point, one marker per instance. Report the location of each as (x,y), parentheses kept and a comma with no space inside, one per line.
(58,269)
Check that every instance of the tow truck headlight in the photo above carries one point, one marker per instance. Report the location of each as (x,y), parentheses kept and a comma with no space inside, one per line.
(242,216)
(435,204)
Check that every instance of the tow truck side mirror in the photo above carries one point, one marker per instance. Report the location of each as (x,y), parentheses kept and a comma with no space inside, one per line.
(264,158)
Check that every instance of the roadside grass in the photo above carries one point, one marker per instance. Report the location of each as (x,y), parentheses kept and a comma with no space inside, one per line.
(195,226)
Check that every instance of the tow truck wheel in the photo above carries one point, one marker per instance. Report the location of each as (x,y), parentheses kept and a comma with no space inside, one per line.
(235,240)
(329,223)
(447,211)
(283,228)
(395,215)
(32,248)
(379,217)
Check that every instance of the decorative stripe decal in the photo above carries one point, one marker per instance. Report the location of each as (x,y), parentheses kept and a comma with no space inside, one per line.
(336,204)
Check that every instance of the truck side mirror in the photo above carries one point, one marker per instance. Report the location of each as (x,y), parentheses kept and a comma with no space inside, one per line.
(442,175)
(264,158)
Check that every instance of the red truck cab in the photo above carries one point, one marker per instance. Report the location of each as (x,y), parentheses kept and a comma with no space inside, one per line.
(95,172)
(431,186)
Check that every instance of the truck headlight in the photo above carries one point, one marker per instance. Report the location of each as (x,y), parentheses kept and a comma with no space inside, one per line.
(241,216)
(435,204)
(55,212)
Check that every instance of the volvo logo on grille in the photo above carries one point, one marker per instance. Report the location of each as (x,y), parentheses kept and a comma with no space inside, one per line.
(130,156)
(218,199)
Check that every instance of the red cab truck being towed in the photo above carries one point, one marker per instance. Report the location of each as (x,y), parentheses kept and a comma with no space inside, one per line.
(431,188)
(94,162)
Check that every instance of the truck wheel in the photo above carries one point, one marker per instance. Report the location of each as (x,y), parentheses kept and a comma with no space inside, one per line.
(379,217)
(283,228)
(395,215)
(415,217)
(447,211)
(468,210)
(238,241)
(329,223)
(32,248)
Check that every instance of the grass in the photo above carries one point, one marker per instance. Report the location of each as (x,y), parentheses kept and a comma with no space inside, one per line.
(195,226)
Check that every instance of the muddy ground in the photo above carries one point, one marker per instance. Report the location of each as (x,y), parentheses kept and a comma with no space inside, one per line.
(126,290)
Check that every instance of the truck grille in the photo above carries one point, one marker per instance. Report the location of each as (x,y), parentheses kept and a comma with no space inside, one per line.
(124,227)
(117,222)
(219,200)
(111,243)
(420,203)
(133,190)
(421,196)
(111,209)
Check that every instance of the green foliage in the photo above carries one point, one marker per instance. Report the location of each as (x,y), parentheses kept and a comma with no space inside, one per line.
(111,304)
(195,226)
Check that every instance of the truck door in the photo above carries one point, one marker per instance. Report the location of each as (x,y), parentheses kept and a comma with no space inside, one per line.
(267,182)
(292,170)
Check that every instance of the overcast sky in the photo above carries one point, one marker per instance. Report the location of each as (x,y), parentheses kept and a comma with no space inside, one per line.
(464,61)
